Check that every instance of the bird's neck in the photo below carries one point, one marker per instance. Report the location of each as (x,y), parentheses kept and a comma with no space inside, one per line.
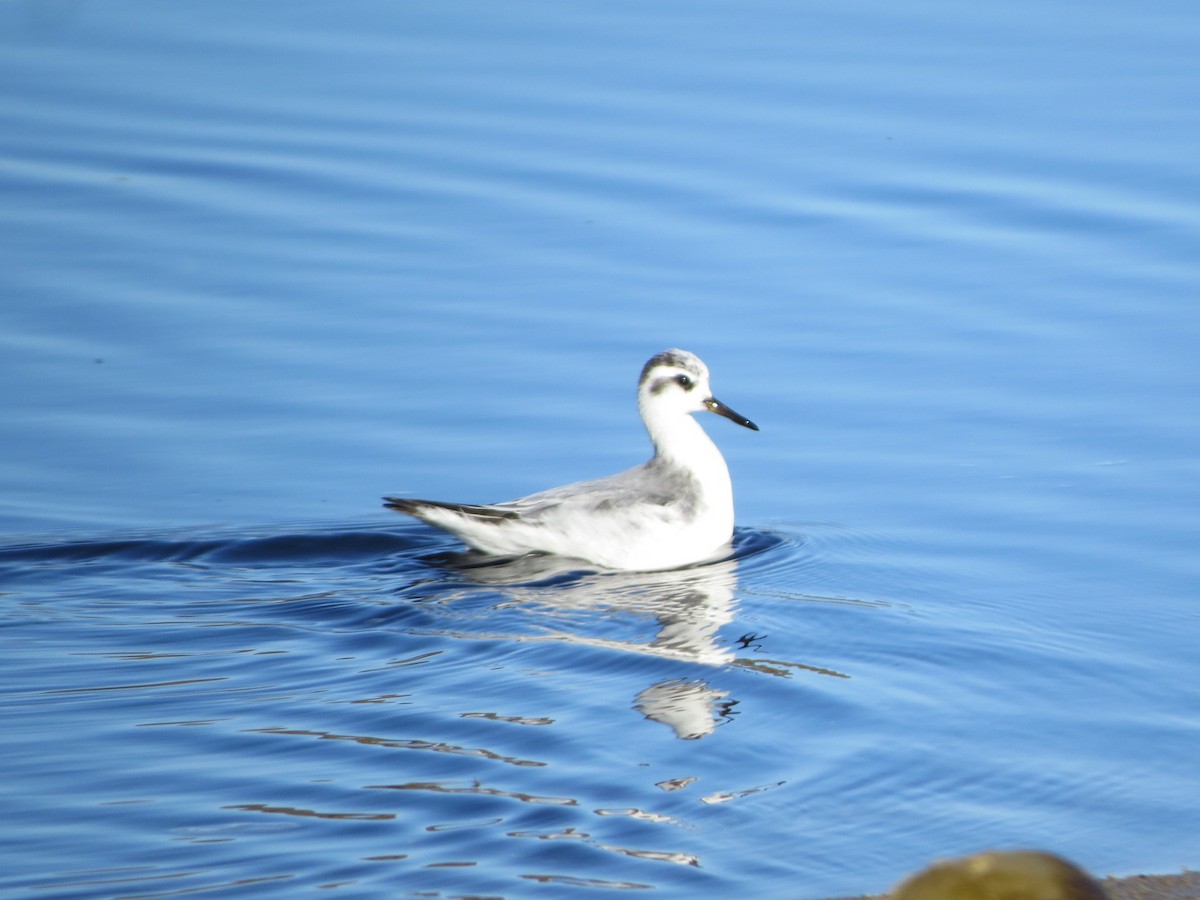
(681,441)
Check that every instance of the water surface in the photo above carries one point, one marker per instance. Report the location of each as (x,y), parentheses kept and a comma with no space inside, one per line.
(260,269)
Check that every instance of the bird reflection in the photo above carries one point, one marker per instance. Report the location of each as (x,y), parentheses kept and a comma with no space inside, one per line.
(690,605)
(692,709)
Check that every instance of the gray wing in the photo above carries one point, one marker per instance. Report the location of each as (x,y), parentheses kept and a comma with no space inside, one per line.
(654,483)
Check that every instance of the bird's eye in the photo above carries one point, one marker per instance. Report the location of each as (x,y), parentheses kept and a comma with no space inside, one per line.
(684,381)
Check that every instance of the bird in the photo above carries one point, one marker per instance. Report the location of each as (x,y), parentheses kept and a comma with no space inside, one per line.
(674,510)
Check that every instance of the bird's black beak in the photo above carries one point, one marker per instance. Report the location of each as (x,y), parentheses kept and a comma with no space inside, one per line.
(712,404)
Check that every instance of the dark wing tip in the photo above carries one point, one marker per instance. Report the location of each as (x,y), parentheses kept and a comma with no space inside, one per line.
(416,507)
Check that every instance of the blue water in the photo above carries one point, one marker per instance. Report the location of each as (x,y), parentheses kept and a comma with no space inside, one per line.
(262,265)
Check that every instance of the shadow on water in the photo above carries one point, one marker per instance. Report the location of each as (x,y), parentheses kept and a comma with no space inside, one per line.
(281,545)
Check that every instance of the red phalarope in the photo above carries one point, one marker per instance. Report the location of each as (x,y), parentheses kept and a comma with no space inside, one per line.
(673,510)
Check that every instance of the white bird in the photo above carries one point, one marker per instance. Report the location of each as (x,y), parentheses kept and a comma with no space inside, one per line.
(673,510)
